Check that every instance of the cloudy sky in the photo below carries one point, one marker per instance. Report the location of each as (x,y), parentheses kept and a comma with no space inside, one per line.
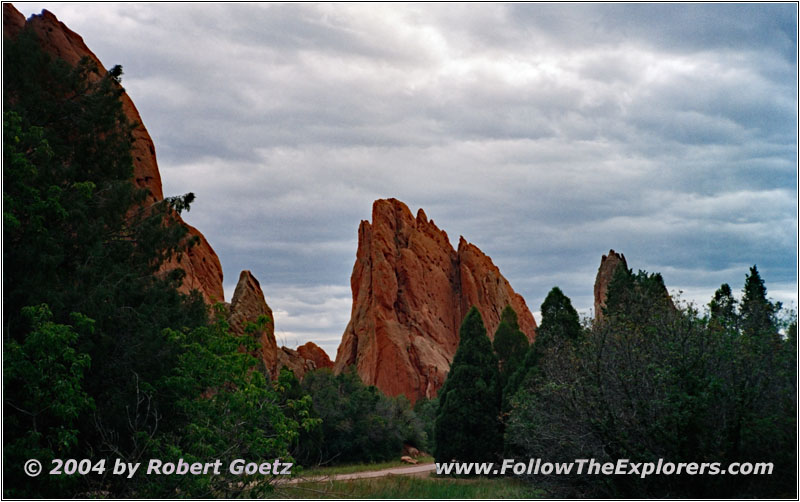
(546,134)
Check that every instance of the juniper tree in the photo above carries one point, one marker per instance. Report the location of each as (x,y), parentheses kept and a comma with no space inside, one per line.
(559,322)
(467,422)
(510,344)
(756,311)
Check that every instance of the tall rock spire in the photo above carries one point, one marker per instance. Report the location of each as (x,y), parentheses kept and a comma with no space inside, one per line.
(411,290)
(608,265)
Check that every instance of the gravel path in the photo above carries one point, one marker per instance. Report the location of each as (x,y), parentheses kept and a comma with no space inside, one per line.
(411,470)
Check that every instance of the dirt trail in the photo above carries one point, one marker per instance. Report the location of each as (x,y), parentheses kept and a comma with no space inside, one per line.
(411,470)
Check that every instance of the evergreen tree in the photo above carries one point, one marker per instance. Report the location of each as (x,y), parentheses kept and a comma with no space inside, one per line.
(757,313)
(723,310)
(655,381)
(636,298)
(559,323)
(559,319)
(467,423)
(359,423)
(510,344)
(111,360)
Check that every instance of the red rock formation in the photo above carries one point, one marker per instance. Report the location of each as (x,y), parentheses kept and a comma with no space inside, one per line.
(202,266)
(482,285)
(608,264)
(411,290)
(293,360)
(247,305)
(313,352)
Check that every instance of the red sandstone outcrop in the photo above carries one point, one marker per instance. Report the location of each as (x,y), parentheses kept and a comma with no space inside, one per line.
(312,352)
(247,306)
(202,266)
(293,360)
(411,290)
(608,264)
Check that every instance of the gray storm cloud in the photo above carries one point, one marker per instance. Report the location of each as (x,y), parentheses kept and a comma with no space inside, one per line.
(544,133)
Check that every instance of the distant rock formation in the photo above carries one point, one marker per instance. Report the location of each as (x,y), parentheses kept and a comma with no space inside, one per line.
(608,265)
(311,352)
(202,266)
(247,305)
(411,290)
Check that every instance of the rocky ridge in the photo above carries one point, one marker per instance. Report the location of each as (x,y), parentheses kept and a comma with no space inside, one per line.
(202,266)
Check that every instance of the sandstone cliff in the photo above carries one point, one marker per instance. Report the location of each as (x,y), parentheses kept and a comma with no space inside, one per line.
(608,264)
(202,266)
(247,305)
(411,290)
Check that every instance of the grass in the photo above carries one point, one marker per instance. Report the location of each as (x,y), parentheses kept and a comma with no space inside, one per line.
(350,468)
(410,487)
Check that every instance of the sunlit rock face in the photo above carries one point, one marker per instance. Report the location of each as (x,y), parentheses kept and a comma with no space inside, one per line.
(411,290)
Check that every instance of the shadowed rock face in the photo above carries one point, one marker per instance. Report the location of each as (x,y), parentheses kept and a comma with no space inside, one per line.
(202,266)
(247,305)
(411,290)
(608,264)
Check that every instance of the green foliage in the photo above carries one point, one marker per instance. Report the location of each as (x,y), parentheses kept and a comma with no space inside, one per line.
(414,487)
(636,297)
(559,322)
(426,409)
(662,383)
(239,414)
(756,311)
(468,420)
(510,345)
(88,247)
(723,310)
(559,319)
(44,380)
(359,423)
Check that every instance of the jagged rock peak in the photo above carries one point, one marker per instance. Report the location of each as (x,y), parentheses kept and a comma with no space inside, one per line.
(411,290)
(608,264)
(247,305)
(248,302)
(202,266)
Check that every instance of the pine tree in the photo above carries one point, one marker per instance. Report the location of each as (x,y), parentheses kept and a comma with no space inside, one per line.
(467,423)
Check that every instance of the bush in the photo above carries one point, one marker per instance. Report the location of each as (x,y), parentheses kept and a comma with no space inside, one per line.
(359,423)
